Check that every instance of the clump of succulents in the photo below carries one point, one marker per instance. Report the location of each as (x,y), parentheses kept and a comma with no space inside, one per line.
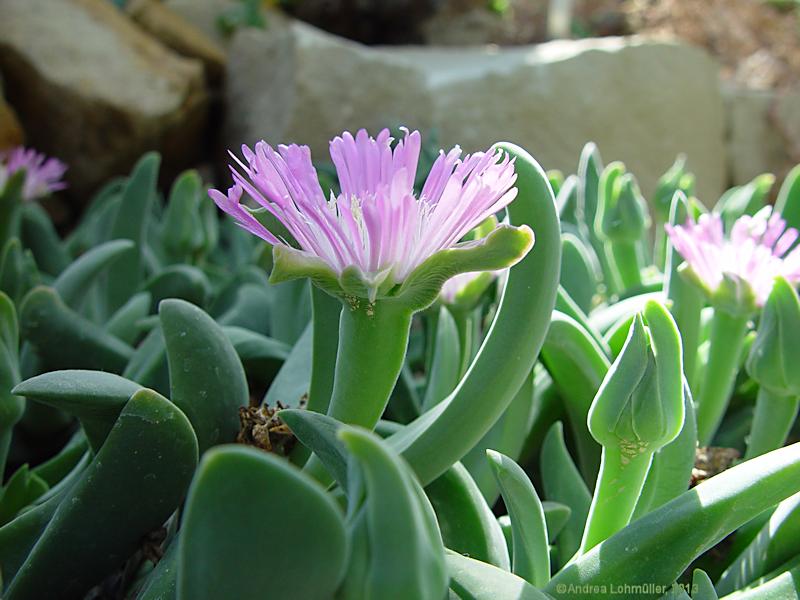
(434,376)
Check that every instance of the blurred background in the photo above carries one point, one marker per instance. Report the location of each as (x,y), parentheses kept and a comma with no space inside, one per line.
(96,83)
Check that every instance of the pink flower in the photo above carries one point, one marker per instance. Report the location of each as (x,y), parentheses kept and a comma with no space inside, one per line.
(376,223)
(42,175)
(755,252)
(474,283)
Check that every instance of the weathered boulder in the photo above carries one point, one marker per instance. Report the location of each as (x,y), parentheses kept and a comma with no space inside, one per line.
(642,102)
(94,90)
(763,131)
(179,34)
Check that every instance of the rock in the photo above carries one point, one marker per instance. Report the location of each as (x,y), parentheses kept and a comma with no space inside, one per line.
(763,131)
(93,89)
(642,102)
(10,130)
(177,33)
(204,15)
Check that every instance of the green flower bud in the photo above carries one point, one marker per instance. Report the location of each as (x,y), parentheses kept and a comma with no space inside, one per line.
(622,212)
(639,406)
(774,357)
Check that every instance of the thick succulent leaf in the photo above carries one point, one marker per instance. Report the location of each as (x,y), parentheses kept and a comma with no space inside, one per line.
(255,525)
(775,544)
(292,383)
(182,233)
(124,324)
(290,311)
(444,372)
(442,436)
(319,433)
(11,407)
(657,548)
(179,281)
(671,470)
(18,537)
(788,201)
(130,223)
(133,484)
(95,397)
(148,365)
(563,483)
(507,435)
(579,275)
(406,555)
(531,555)
(38,234)
(577,365)
(475,580)
(63,339)
(702,588)
(465,520)
(261,356)
(73,284)
(18,272)
(22,489)
(207,381)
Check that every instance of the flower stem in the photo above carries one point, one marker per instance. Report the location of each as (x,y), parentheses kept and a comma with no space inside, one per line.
(465,325)
(372,347)
(619,484)
(774,416)
(726,342)
(628,265)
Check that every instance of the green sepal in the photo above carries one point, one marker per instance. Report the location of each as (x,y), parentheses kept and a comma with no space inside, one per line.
(774,357)
(502,248)
(290,263)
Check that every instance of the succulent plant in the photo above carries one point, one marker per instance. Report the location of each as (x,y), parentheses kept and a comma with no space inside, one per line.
(189,411)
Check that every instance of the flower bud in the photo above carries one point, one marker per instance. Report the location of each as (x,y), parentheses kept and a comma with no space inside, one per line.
(639,407)
(622,212)
(774,356)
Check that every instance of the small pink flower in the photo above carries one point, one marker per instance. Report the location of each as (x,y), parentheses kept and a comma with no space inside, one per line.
(376,223)
(755,252)
(42,175)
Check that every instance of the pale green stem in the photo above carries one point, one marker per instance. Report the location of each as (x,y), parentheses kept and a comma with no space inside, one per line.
(725,348)
(619,484)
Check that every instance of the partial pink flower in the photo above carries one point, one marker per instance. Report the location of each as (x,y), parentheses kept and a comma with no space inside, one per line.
(756,250)
(43,175)
(376,223)
(458,284)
